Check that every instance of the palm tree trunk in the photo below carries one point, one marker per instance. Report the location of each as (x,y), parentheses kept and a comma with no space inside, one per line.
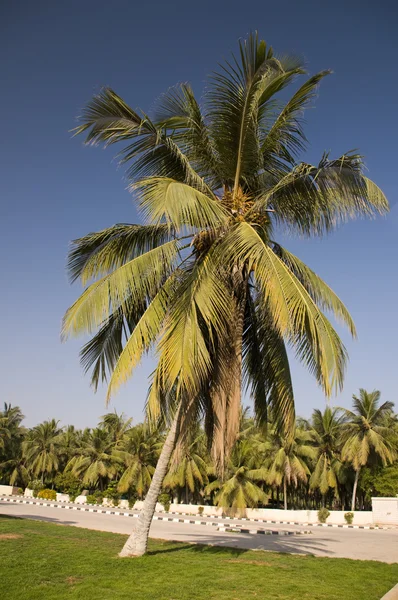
(284,494)
(137,543)
(354,491)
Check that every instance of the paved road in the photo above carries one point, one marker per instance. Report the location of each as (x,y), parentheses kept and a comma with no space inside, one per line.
(361,544)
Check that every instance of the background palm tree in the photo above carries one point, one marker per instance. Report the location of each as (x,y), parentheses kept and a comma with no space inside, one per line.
(116,426)
(41,449)
(240,488)
(326,429)
(366,434)
(204,280)
(12,463)
(137,454)
(287,459)
(94,461)
(188,471)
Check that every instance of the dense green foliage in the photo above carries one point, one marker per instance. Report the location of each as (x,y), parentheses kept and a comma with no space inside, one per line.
(116,459)
(69,563)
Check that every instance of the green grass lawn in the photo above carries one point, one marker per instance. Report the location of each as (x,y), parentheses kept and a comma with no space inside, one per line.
(45,561)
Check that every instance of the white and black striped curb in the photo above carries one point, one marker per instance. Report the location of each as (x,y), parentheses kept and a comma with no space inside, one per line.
(222,527)
(71,505)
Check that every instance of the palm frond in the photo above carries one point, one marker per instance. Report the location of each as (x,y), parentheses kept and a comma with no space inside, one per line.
(319,291)
(313,200)
(99,253)
(178,204)
(132,283)
(286,138)
(142,336)
(293,311)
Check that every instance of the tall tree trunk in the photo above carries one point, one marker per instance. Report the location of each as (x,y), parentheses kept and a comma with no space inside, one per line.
(354,491)
(137,543)
(284,494)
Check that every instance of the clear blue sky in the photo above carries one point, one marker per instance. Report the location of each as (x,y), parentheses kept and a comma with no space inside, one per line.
(55,55)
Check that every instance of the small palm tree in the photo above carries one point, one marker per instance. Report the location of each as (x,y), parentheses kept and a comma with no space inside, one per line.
(240,489)
(116,425)
(68,444)
(366,434)
(204,281)
(12,463)
(136,455)
(326,431)
(188,469)
(41,449)
(94,461)
(287,459)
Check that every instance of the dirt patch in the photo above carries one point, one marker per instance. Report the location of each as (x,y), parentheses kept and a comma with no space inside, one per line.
(10,536)
(73,580)
(258,563)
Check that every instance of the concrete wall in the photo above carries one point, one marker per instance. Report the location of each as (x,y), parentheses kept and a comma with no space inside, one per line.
(62,497)
(272,514)
(385,510)
(8,490)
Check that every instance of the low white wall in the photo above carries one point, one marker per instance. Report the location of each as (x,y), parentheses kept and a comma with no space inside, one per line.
(308,516)
(272,514)
(28,493)
(385,510)
(62,497)
(81,500)
(8,490)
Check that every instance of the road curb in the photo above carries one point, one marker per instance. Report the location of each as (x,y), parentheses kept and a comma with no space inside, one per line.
(222,527)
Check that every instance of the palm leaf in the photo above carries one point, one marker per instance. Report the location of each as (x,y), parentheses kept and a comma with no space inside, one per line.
(132,283)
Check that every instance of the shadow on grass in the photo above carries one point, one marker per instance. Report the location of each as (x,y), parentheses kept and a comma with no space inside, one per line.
(199,548)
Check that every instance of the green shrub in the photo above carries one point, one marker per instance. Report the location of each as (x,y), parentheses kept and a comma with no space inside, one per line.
(66,483)
(19,492)
(91,499)
(112,494)
(47,494)
(323,514)
(349,517)
(36,486)
(99,496)
(132,501)
(165,501)
(201,510)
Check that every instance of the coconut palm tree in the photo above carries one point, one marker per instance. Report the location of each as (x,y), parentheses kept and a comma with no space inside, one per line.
(41,449)
(204,281)
(94,461)
(326,429)
(287,459)
(116,425)
(240,487)
(137,454)
(366,434)
(68,444)
(188,470)
(12,464)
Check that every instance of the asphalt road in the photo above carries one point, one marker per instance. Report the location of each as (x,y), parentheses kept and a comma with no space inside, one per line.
(381,545)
